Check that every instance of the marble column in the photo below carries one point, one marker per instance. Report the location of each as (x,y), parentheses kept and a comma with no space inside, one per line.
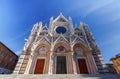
(50,71)
(46,69)
(74,64)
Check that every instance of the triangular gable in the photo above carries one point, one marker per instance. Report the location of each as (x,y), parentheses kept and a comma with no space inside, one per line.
(77,29)
(44,28)
(61,38)
(78,39)
(44,39)
(60,18)
(72,38)
(41,40)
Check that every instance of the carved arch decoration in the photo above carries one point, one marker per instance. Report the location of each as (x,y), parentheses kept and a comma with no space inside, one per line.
(41,48)
(61,47)
(78,50)
(40,52)
(79,46)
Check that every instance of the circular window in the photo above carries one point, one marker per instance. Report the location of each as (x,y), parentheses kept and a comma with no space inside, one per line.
(61,30)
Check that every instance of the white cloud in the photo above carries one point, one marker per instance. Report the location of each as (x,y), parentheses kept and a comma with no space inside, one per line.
(96,6)
(84,8)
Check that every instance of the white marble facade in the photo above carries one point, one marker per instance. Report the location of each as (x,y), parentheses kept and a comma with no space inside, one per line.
(60,38)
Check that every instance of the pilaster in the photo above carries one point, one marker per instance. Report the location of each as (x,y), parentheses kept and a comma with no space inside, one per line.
(46,69)
(50,71)
(69,63)
(91,64)
(74,63)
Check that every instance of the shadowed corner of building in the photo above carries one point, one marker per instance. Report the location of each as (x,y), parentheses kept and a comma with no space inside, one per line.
(8,60)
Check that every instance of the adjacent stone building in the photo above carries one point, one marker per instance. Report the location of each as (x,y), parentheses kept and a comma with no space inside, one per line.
(116,63)
(8,59)
(111,69)
(61,48)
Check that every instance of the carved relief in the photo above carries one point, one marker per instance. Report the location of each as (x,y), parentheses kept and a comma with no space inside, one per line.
(60,49)
(79,51)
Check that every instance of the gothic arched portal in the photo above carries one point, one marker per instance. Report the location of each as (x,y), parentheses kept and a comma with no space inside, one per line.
(80,58)
(61,52)
(38,58)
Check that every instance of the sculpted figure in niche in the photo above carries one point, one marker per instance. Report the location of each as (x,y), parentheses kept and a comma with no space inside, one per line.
(60,49)
(42,50)
(79,51)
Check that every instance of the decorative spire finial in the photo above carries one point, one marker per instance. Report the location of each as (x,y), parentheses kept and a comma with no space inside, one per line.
(51,18)
(81,23)
(45,25)
(61,13)
(70,18)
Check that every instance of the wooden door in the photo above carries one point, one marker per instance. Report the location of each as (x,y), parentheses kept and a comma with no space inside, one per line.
(39,66)
(82,66)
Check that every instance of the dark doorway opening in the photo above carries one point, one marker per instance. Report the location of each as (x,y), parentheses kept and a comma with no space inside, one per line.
(61,65)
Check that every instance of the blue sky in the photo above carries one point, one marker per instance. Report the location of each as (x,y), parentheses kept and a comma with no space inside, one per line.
(17,18)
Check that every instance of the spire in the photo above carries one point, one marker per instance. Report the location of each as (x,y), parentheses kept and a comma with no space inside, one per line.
(51,18)
(34,27)
(71,25)
(40,27)
(61,14)
(45,25)
(50,24)
(70,18)
(81,24)
(40,24)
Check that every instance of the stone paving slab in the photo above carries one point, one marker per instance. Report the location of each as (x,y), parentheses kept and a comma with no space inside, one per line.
(54,76)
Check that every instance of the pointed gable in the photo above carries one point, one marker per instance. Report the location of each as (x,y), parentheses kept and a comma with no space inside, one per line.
(44,39)
(60,18)
(45,28)
(61,38)
(78,39)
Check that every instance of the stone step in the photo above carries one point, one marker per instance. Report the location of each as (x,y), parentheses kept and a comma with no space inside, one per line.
(60,76)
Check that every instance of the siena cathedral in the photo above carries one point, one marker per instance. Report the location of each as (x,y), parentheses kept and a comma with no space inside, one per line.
(60,48)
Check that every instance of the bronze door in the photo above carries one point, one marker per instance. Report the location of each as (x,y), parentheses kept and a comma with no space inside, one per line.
(39,66)
(61,65)
(82,66)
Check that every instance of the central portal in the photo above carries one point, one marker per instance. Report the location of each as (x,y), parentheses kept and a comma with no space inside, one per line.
(61,65)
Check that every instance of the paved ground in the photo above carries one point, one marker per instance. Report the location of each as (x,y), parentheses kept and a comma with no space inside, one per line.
(68,76)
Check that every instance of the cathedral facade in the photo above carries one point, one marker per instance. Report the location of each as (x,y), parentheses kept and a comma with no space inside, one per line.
(60,48)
